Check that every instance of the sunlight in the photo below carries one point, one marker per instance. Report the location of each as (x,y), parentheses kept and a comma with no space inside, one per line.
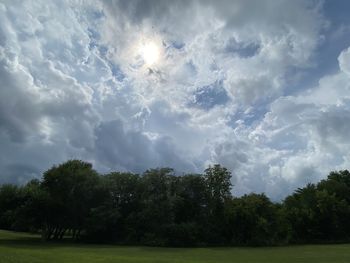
(150,53)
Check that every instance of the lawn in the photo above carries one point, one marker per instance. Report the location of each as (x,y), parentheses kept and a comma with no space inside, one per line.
(19,247)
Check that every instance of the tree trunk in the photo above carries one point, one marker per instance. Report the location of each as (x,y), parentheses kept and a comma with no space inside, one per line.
(62,234)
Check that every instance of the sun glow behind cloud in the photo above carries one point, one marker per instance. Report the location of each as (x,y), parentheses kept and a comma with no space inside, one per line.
(150,53)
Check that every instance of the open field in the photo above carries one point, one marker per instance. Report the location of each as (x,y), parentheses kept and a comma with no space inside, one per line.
(19,247)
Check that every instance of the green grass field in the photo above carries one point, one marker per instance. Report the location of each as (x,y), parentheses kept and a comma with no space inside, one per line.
(19,247)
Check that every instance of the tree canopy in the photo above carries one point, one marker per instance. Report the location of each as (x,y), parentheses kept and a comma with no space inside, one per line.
(160,208)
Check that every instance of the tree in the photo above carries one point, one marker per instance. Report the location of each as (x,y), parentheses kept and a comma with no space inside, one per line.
(254,220)
(189,206)
(71,190)
(218,182)
(300,210)
(10,200)
(190,199)
(31,211)
(112,219)
(337,183)
(218,186)
(319,212)
(157,194)
(160,208)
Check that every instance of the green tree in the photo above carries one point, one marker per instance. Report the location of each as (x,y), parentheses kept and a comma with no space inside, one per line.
(254,220)
(218,186)
(157,194)
(71,189)
(337,183)
(10,200)
(112,220)
(300,210)
(31,211)
(189,209)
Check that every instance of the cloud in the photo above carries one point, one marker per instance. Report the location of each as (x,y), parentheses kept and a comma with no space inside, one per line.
(301,137)
(119,148)
(74,85)
(18,114)
(344,61)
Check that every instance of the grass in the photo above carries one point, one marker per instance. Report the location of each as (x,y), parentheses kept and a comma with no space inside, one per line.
(22,247)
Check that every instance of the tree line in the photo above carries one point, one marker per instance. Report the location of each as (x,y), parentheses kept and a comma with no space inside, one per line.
(163,209)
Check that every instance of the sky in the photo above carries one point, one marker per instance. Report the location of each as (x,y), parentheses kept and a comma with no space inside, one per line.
(261,87)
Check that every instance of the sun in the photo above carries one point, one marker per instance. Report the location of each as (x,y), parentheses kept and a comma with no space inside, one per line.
(150,53)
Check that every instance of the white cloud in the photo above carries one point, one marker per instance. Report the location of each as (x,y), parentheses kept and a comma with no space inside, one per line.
(73,85)
(301,138)
(344,61)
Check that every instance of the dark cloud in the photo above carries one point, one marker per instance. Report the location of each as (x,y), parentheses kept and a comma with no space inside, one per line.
(333,126)
(18,173)
(19,109)
(131,150)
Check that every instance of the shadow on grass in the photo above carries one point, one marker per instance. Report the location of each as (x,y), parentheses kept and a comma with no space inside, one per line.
(29,241)
(22,242)
(35,242)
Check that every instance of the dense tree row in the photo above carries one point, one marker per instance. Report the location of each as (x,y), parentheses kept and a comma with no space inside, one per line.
(158,208)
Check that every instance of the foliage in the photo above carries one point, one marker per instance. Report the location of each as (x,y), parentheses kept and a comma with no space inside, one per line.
(160,208)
